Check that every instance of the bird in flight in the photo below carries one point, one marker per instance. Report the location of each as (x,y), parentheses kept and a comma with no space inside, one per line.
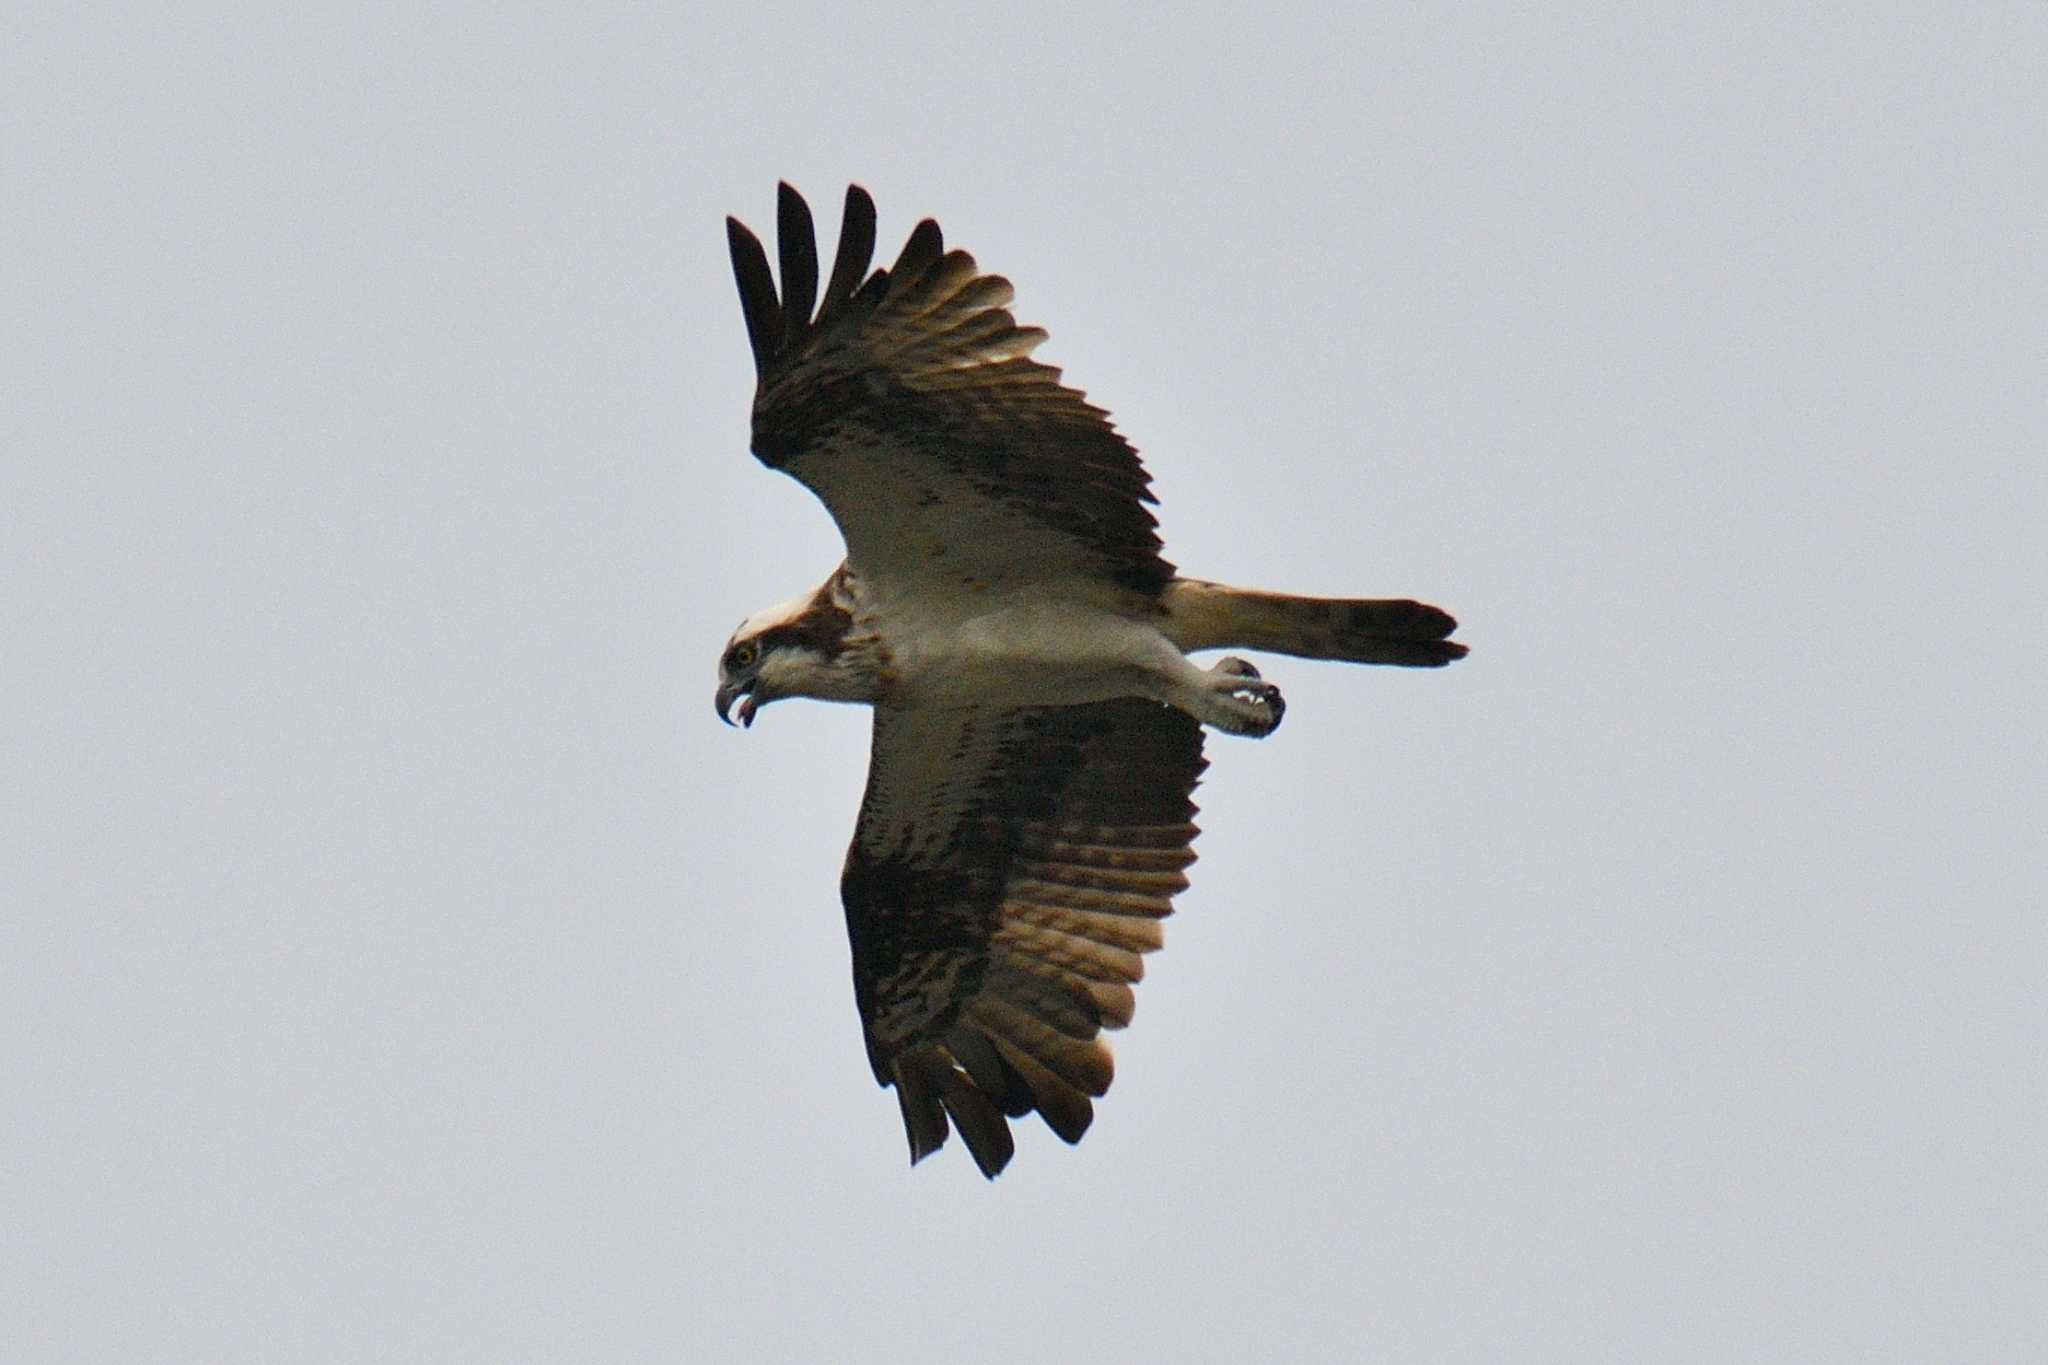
(1005,610)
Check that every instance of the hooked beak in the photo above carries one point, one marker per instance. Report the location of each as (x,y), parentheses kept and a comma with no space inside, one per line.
(742,692)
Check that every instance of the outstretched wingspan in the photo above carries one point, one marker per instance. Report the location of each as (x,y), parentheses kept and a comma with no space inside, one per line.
(1009,868)
(1006,611)
(908,403)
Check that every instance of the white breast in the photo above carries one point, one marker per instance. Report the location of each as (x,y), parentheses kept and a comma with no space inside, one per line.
(1029,654)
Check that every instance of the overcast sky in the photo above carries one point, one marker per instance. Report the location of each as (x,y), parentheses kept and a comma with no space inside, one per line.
(399,962)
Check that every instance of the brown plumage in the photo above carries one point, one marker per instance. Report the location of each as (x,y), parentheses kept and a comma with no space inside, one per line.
(914,391)
(1006,610)
(999,933)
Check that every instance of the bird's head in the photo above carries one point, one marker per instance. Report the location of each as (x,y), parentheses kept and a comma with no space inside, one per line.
(739,677)
(792,650)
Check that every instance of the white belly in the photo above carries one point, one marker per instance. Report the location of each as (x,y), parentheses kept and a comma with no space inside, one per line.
(1032,655)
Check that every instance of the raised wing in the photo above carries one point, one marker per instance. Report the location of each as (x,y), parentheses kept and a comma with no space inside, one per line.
(910,406)
(1010,866)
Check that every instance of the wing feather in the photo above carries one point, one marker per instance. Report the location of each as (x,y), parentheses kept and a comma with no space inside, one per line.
(1065,1110)
(856,249)
(920,1076)
(985,1067)
(1069,954)
(980,1123)
(758,303)
(924,246)
(1010,868)
(799,246)
(910,405)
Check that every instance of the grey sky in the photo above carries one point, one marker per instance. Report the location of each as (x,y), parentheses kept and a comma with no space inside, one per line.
(399,962)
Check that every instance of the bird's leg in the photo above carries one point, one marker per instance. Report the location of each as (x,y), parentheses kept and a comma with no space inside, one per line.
(1230,697)
(1236,701)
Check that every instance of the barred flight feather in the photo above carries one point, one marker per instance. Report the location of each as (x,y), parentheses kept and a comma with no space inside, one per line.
(964,944)
(1063,1107)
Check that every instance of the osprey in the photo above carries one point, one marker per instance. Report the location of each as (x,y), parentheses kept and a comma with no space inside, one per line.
(1005,610)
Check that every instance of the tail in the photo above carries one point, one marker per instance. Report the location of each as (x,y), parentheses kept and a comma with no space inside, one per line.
(1360,631)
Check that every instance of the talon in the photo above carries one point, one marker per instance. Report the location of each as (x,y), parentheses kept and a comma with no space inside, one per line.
(1248,704)
(1263,708)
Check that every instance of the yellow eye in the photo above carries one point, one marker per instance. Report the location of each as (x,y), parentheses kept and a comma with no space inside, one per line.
(743,656)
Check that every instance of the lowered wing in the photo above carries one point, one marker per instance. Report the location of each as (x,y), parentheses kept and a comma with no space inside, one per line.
(909,404)
(1009,868)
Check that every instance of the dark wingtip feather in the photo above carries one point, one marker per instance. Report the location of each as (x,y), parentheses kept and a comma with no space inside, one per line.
(856,249)
(980,1126)
(758,302)
(924,1117)
(797,241)
(859,204)
(926,244)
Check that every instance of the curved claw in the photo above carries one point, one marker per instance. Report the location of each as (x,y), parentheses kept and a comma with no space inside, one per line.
(1241,702)
(1270,695)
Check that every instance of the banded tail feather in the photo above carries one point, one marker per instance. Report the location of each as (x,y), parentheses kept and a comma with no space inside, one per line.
(1202,615)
